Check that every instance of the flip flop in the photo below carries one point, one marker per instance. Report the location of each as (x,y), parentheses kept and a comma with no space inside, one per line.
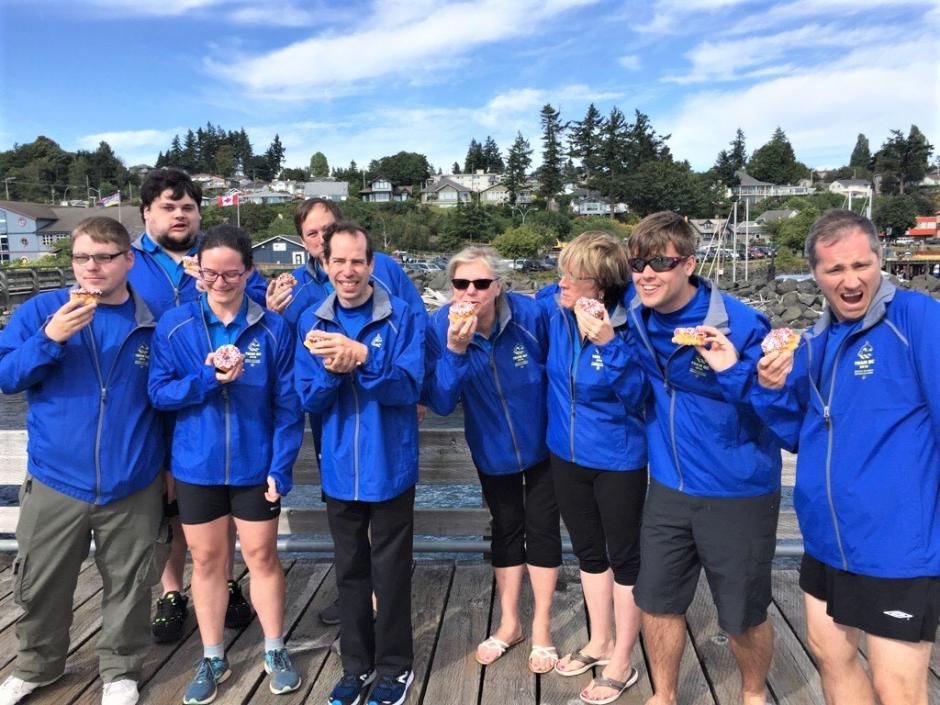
(494,644)
(604,682)
(543,652)
(583,658)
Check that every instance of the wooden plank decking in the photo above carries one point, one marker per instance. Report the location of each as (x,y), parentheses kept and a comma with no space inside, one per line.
(453,608)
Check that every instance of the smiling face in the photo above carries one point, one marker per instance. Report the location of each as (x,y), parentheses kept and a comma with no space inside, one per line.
(348,269)
(483,300)
(669,291)
(173,223)
(109,278)
(312,229)
(848,274)
(226,292)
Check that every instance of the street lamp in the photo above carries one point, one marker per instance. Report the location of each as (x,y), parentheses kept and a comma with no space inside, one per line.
(6,185)
(525,210)
(65,196)
(96,192)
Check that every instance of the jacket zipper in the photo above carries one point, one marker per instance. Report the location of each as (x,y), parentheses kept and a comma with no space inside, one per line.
(572,378)
(352,383)
(502,401)
(226,406)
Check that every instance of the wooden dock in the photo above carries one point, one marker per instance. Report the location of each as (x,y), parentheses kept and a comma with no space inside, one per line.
(453,609)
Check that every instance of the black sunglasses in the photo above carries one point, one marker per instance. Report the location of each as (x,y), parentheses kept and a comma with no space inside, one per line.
(478,284)
(659,263)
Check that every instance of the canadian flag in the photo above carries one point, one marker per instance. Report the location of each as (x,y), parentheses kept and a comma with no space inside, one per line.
(227,200)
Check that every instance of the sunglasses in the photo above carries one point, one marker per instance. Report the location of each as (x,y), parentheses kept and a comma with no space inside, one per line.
(478,284)
(659,263)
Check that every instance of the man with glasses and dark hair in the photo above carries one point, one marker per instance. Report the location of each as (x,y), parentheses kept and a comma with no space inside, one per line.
(714,467)
(169,205)
(96,448)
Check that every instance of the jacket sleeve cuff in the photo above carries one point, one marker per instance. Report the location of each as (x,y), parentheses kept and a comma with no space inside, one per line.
(735,382)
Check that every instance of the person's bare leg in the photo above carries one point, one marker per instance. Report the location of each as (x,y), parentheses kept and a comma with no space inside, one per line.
(508,588)
(664,638)
(627,617)
(543,582)
(172,577)
(835,647)
(230,562)
(259,549)
(599,598)
(899,670)
(208,546)
(753,650)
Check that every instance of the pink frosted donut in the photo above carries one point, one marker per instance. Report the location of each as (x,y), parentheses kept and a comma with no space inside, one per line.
(591,306)
(226,357)
(461,312)
(780,339)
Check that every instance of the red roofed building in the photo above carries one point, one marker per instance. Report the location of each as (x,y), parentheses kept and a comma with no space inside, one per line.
(926,226)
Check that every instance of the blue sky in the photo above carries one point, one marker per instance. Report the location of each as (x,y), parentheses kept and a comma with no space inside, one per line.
(359,80)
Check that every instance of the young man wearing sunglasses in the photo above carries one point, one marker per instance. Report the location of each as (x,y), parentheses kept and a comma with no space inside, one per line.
(714,467)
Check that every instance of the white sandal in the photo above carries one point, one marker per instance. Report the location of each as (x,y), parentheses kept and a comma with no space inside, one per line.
(493,644)
(543,652)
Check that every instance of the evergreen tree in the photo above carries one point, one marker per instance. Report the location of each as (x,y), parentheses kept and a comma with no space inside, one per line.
(319,167)
(455,168)
(610,176)
(474,159)
(492,159)
(550,171)
(518,161)
(731,160)
(189,156)
(585,142)
(275,157)
(775,162)
(861,155)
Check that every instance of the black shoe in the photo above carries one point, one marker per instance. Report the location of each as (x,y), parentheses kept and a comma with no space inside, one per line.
(329,615)
(172,609)
(238,612)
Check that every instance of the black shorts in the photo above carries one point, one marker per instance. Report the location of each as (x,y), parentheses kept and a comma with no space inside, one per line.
(200,504)
(906,609)
(733,538)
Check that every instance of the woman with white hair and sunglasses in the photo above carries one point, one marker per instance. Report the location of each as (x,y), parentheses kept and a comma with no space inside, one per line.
(487,350)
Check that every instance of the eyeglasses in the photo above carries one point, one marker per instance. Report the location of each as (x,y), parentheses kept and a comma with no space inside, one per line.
(99,259)
(478,284)
(660,263)
(570,277)
(230,277)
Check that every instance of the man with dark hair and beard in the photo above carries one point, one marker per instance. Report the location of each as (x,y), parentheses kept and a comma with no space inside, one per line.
(164,278)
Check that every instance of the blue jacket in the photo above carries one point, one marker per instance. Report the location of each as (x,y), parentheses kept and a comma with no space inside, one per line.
(370,421)
(704,436)
(152,282)
(236,433)
(502,388)
(93,435)
(311,287)
(594,415)
(868,472)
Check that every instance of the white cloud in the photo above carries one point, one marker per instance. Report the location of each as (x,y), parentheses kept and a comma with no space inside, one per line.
(773,17)
(670,15)
(398,45)
(122,142)
(821,109)
(725,60)
(631,62)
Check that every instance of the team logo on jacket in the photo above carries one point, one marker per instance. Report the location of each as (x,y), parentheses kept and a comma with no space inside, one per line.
(377,341)
(699,367)
(142,356)
(520,356)
(865,361)
(596,361)
(253,353)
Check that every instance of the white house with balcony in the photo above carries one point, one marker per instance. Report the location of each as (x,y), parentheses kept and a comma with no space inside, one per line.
(750,189)
(445,193)
(381,190)
(853,187)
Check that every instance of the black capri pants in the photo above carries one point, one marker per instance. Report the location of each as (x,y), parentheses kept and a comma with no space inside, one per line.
(525,517)
(602,510)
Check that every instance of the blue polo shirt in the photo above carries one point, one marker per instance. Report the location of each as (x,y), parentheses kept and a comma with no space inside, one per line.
(173,269)
(354,319)
(219,333)
(660,327)
(109,327)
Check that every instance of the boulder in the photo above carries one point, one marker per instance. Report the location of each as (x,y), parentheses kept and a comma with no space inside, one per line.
(807,299)
(790,299)
(792,313)
(807,287)
(786,286)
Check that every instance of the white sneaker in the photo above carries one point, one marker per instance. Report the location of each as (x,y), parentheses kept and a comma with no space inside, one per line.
(123,692)
(13,689)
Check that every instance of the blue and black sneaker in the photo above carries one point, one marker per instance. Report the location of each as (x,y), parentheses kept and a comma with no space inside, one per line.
(392,690)
(284,677)
(351,688)
(204,686)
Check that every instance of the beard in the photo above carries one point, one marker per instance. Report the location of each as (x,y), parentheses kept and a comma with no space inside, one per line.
(168,243)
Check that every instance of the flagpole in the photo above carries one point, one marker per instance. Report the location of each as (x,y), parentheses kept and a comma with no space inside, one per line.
(238,212)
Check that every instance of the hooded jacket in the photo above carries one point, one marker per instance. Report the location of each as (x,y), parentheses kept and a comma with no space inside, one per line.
(228,434)
(705,438)
(370,418)
(594,417)
(93,434)
(867,491)
(501,386)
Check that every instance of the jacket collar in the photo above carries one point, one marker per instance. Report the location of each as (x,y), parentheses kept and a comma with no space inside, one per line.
(142,313)
(876,310)
(381,306)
